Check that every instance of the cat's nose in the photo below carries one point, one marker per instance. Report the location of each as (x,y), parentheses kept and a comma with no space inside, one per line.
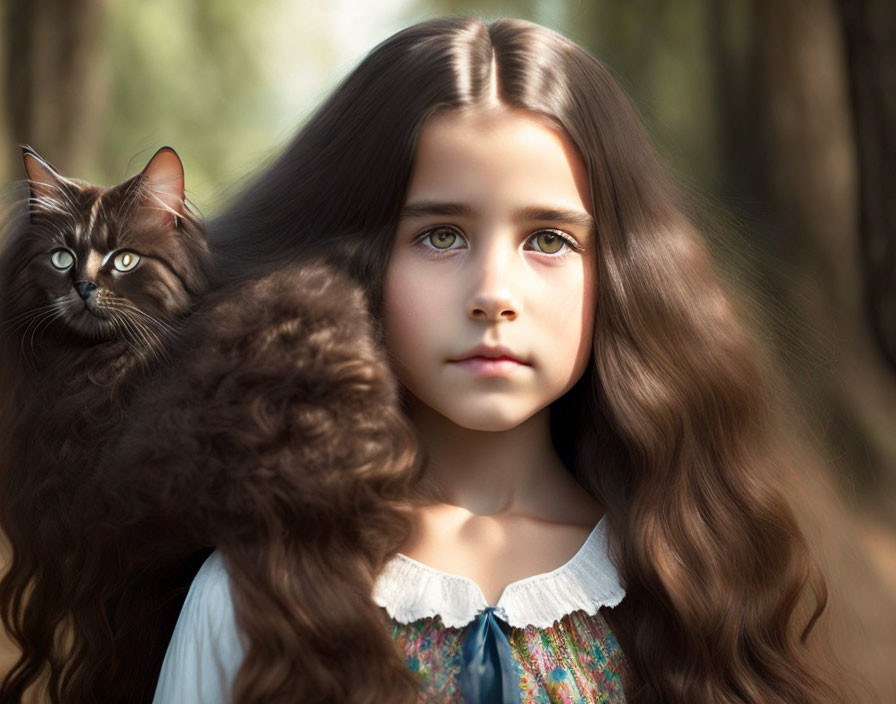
(85,288)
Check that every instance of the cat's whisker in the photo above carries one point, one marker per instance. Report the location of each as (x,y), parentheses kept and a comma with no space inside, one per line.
(123,313)
(152,319)
(129,336)
(125,326)
(155,322)
(167,327)
(124,323)
(31,321)
(131,332)
(18,320)
(157,343)
(158,349)
(36,315)
(35,322)
(150,340)
(146,335)
(60,310)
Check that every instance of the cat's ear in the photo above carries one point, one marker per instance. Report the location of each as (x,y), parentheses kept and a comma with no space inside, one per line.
(45,182)
(163,184)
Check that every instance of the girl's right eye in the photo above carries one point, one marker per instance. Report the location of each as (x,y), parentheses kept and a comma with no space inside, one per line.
(62,259)
(441,238)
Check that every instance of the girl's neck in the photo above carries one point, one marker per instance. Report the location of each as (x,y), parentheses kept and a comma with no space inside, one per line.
(511,472)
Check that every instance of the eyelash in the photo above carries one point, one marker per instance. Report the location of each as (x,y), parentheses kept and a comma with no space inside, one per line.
(571,244)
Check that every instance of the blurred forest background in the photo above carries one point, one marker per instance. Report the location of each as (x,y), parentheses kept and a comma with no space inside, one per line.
(778,116)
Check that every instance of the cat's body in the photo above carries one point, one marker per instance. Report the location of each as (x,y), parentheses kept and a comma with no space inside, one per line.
(94,287)
(273,432)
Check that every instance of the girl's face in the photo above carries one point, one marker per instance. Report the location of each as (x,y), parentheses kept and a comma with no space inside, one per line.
(494,248)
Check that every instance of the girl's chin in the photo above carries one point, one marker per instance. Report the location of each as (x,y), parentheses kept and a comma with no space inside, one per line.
(488,420)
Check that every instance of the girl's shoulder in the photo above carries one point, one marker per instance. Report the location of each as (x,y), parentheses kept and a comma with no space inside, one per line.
(206,648)
(211,581)
(208,608)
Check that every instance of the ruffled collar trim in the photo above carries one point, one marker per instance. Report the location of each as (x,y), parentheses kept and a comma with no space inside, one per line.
(410,590)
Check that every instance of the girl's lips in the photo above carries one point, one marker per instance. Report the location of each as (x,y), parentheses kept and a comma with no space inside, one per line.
(490,352)
(489,366)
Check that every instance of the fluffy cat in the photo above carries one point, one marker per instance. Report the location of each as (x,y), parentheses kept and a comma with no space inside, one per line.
(273,432)
(95,282)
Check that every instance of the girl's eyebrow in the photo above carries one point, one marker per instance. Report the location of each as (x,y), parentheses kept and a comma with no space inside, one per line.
(569,216)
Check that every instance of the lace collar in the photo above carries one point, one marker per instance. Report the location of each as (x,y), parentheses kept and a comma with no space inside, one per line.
(410,590)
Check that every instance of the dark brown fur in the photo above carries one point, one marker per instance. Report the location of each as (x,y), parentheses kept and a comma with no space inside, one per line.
(277,436)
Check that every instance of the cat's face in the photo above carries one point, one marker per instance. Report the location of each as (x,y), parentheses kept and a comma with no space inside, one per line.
(109,263)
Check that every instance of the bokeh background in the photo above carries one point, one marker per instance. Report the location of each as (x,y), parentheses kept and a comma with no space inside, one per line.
(778,116)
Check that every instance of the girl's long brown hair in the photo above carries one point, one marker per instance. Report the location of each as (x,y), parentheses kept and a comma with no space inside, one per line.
(674,428)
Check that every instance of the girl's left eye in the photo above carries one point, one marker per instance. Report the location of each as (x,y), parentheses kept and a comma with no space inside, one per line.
(547,241)
(551,241)
(125,261)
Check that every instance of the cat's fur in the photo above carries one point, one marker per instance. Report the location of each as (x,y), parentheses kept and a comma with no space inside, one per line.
(277,437)
(94,285)
(274,433)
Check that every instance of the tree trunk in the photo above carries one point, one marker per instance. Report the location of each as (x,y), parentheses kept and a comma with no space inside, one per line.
(55,79)
(810,170)
(869,28)
(786,123)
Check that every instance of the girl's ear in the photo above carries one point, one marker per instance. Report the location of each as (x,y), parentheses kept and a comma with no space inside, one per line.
(44,181)
(163,185)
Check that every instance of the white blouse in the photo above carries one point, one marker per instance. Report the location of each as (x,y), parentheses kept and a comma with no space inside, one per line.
(206,648)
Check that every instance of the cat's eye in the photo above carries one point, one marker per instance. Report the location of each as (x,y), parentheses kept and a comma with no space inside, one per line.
(62,259)
(125,261)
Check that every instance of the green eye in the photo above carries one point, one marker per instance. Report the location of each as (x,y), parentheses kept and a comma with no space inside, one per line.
(125,261)
(550,242)
(442,238)
(62,259)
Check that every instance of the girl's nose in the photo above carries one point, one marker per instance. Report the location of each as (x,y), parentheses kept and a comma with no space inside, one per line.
(496,293)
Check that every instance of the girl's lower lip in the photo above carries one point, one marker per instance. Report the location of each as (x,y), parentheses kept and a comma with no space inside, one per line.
(488,366)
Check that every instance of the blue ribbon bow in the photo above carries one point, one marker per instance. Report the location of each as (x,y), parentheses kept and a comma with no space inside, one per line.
(487,675)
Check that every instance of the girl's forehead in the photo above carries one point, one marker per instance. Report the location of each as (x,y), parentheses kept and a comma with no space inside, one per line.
(481,153)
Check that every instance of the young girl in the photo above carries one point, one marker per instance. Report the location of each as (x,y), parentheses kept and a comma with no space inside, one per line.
(600,433)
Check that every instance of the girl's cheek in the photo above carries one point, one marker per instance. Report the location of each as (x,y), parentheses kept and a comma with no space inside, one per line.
(407,304)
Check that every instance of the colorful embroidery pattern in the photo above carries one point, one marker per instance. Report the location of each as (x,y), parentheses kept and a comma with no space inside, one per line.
(432,653)
(575,661)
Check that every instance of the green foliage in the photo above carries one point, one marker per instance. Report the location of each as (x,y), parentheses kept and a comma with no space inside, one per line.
(224,83)
(184,73)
